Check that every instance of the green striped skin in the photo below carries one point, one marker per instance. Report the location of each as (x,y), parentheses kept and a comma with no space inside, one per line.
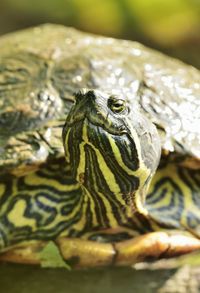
(36,203)
(47,203)
(173,200)
(99,194)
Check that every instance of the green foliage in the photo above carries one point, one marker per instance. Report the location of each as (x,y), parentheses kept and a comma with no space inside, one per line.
(166,21)
(51,258)
(162,21)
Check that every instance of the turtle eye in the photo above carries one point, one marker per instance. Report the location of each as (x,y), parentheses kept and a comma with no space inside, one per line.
(116,105)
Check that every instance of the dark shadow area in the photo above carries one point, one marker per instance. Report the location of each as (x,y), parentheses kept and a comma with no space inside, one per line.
(23,279)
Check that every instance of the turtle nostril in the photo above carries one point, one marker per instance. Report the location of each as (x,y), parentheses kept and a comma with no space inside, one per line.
(84,95)
(78,96)
(91,94)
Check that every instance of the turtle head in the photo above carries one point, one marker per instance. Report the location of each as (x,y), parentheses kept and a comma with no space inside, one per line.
(113,150)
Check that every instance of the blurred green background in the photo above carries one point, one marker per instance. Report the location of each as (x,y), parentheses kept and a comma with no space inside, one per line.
(172,26)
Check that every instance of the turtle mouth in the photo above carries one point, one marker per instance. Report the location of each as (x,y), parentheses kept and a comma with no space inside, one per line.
(102,122)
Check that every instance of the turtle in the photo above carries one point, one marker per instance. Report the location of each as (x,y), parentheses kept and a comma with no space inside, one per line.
(99,150)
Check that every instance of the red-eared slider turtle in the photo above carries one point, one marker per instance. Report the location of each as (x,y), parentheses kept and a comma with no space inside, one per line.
(102,201)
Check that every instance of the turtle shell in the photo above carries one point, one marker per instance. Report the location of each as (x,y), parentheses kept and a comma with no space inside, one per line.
(41,68)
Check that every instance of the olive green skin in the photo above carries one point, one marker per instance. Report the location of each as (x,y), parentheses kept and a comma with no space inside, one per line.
(40,71)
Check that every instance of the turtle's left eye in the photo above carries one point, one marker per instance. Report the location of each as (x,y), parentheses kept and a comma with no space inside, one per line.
(116,105)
